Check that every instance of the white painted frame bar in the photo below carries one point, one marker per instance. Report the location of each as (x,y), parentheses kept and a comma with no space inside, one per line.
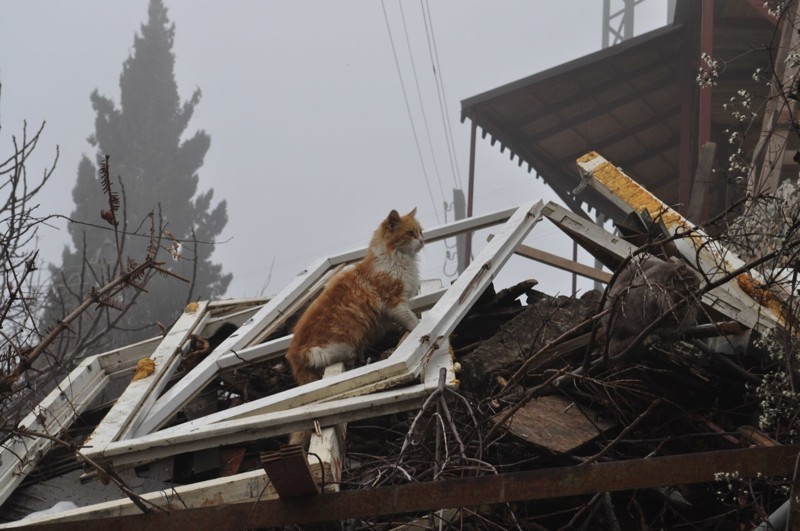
(239,488)
(572,223)
(437,324)
(56,412)
(140,394)
(258,426)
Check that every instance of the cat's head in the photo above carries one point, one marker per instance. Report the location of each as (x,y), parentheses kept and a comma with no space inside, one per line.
(400,233)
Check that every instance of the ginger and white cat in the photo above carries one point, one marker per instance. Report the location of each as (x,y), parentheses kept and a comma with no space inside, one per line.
(351,310)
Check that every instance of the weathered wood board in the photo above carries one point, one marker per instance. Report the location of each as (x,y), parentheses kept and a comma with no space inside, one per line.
(554,423)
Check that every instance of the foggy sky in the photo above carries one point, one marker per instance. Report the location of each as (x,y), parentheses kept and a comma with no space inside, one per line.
(311,143)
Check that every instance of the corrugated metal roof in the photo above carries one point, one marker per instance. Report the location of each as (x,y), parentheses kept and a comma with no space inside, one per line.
(626,102)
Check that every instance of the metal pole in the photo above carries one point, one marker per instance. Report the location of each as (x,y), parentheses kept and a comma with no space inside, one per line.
(470,191)
(460,212)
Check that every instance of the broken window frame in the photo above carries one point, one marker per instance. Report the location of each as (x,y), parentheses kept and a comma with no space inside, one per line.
(355,394)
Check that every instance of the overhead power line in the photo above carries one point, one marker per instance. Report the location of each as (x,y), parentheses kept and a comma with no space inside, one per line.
(437,74)
(410,116)
(421,103)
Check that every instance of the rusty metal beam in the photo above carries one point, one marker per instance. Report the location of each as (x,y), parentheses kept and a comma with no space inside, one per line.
(470,190)
(519,486)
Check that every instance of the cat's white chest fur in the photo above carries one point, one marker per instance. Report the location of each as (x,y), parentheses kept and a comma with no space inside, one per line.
(402,266)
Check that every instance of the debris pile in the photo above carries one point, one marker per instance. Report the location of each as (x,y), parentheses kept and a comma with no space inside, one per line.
(524,405)
(667,399)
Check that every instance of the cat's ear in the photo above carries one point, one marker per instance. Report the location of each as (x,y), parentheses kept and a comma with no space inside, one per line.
(393,219)
(412,213)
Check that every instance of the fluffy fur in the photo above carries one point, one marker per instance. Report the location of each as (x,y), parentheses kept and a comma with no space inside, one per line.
(351,310)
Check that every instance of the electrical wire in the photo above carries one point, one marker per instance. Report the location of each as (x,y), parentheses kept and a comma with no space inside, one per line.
(408,109)
(421,103)
(437,74)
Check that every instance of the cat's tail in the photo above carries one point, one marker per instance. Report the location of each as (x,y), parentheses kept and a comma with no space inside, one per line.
(302,370)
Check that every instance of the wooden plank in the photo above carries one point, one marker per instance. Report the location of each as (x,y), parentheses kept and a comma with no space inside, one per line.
(595,239)
(294,474)
(554,423)
(467,225)
(563,263)
(237,317)
(326,448)
(140,394)
(19,455)
(255,354)
(256,301)
(326,455)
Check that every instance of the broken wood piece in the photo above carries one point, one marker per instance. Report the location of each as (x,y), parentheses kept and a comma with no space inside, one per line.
(293,473)
(230,460)
(288,471)
(755,436)
(610,250)
(554,423)
(721,328)
(325,457)
(563,263)
(326,449)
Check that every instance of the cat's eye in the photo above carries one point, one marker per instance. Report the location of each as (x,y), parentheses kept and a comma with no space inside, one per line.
(411,233)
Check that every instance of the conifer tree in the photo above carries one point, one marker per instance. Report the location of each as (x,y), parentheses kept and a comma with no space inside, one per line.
(157,165)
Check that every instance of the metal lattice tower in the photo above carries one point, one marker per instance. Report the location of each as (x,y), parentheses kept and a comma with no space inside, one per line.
(618,23)
(618,19)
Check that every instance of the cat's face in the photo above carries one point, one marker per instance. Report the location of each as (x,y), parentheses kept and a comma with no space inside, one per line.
(402,233)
